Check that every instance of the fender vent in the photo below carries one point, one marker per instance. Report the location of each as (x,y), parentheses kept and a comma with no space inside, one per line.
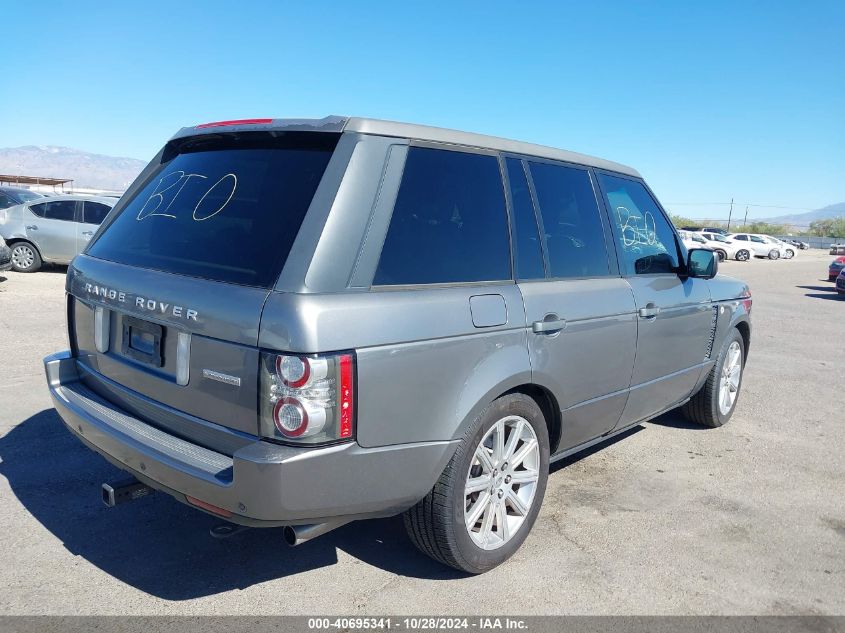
(712,337)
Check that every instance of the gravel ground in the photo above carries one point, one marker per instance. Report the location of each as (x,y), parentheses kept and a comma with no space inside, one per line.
(669,519)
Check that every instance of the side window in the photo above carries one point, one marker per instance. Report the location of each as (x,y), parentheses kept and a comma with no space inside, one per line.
(646,242)
(94,212)
(743,238)
(571,222)
(6,201)
(528,255)
(39,209)
(754,238)
(449,223)
(60,210)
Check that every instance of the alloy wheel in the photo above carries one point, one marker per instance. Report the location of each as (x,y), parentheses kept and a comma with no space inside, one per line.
(501,482)
(731,377)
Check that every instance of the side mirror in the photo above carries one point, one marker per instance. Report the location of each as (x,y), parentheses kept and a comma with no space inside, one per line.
(702,263)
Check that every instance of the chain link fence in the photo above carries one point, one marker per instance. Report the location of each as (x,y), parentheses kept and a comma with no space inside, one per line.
(814,241)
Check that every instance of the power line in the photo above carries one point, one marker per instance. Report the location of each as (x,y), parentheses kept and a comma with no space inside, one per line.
(748,204)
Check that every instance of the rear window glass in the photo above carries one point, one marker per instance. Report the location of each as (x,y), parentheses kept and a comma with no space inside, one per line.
(226,209)
(59,210)
(26,196)
(94,212)
(528,255)
(449,223)
(571,222)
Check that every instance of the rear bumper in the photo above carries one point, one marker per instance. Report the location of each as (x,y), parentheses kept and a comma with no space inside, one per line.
(262,484)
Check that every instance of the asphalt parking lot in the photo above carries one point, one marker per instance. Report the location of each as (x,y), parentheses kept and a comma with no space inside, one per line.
(669,519)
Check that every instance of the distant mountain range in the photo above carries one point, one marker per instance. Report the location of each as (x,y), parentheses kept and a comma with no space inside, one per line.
(95,171)
(802,220)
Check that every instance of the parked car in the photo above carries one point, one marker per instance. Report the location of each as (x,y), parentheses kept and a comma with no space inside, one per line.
(787,251)
(760,245)
(835,267)
(801,245)
(726,248)
(840,282)
(837,249)
(11,196)
(708,229)
(694,240)
(51,230)
(5,256)
(301,323)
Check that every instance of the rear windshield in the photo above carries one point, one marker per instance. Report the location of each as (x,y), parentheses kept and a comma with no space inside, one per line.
(25,196)
(225,208)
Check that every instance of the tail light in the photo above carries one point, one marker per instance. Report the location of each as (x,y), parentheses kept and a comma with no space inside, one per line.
(308,399)
(746,300)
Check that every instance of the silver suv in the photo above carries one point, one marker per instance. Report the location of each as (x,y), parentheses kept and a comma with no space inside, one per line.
(301,323)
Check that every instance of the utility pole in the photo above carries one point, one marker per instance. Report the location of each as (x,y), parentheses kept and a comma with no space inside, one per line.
(745,221)
(729,215)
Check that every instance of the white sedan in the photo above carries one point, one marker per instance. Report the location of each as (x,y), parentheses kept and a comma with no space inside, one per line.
(725,247)
(763,245)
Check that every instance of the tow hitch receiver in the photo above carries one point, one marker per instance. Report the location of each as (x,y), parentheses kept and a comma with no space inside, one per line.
(123,491)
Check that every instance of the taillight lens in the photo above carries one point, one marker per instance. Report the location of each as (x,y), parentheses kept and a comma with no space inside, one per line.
(308,399)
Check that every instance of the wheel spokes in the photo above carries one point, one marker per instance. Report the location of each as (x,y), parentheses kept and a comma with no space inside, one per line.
(487,523)
(513,440)
(483,458)
(525,477)
(477,510)
(502,526)
(477,484)
(499,442)
(516,503)
(523,452)
(734,380)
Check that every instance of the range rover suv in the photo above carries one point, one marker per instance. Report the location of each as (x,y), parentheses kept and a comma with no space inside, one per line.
(301,323)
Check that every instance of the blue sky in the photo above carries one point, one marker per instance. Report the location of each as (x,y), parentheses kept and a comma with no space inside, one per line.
(709,100)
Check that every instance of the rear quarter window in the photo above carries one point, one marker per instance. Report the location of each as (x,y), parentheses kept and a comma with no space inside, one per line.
(94,212)
(226,209)
(449,222)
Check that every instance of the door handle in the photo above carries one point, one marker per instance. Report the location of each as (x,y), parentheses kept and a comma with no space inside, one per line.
(648,312)
(549,325)
(88,232)
(31,227)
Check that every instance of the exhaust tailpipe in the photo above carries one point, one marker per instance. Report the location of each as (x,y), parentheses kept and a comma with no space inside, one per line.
(298,534)
(123,491)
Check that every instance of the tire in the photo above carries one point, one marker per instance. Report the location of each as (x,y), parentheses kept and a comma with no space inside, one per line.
(774,254)
(437,525)
(706,407)
(789,254)
(25,257)
(722,255)
(743,255)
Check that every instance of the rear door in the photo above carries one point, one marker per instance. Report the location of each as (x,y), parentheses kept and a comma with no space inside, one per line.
(93,214)
(168,298)
(580,312)
(51,226)
(674,315)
